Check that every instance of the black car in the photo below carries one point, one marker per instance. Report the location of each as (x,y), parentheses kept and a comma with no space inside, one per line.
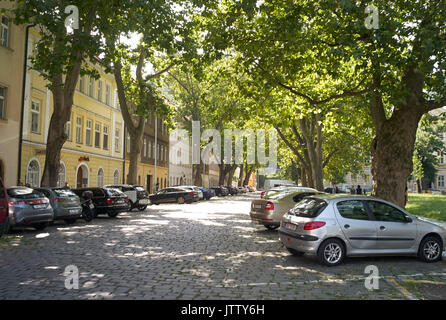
(220,191)
(232,190)
(138,196)
(108,201)
(173,194)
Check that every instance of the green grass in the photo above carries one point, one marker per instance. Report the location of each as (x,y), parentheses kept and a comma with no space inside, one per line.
(427,205)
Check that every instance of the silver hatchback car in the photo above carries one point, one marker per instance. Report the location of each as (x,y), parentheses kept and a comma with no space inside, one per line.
(336,226)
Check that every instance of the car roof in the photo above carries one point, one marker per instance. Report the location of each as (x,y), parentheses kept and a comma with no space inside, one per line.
(340,196)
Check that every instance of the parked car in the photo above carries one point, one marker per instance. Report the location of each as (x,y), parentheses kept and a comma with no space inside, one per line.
(271,191)
(206,193)
(174,194)
(65,203)
(220,191)
(269,210)
(251,189)
(242,189)
(28,207)
(108,201)
(4,209)
(336,226)
(232,190)
(196,189)
(138,196)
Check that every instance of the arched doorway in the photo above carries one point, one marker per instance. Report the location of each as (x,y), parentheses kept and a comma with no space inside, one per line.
(82,176)
(33,173)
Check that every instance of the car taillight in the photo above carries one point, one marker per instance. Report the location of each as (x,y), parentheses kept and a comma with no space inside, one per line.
(192,193)
(59,200)
(269,205)
(261,194)
(16,203)
(109,201)
(314,225)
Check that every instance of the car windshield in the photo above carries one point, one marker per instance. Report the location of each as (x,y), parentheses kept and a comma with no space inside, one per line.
(24,193)
(309,207)
(64,193)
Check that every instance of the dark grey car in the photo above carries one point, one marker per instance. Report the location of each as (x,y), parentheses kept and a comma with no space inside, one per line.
(28,207)
(66,204)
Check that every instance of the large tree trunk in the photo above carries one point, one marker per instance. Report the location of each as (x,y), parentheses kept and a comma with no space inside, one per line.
(240,176)
(248,175)
(392,151)
(197,170)
(230,175)
(135,151)
(221,174)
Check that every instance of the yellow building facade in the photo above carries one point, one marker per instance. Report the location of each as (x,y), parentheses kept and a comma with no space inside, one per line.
(12,47)
(93,153)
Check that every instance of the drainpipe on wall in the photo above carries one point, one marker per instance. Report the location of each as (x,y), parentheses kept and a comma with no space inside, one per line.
(25,64)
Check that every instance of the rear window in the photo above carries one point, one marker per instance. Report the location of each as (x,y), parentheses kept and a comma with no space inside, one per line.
(24,193)
(140,189)
(309,208)
(64,193)
(114,192)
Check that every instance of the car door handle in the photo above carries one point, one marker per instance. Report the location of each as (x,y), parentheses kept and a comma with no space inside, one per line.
(346,226)
(382,228)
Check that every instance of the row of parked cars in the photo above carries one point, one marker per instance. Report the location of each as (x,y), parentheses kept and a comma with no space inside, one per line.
(333,226)
(189,194)
(37,207)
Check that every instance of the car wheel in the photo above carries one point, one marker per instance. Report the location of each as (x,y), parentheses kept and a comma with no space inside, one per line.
(180,200)
(40,226)
(70,221)
(113,214)
(331,252)
(271,227)
(430,249)
(142,208)
(295,252)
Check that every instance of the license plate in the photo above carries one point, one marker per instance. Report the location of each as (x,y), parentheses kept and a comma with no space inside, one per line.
(73,211)
(120,201)
(290,226)
(257,206)
(39,206)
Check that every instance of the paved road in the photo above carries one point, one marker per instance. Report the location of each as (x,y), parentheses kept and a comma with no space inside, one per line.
(205,250)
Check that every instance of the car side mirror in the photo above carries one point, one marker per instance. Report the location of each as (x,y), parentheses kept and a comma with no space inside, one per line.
(408,219)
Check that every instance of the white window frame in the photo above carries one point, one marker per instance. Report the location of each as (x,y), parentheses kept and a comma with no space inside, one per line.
(5,27)
(105,137)
(116,177)
(107,94)
(35,112)
(440,181)
(68,129)
(117,142)
(100,90)
(100,177)
(79,129)
(88,131)
(91,85)
(97,138)
(33,177)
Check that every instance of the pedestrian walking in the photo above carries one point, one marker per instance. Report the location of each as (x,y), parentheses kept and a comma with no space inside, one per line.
(359,190)
(352,189)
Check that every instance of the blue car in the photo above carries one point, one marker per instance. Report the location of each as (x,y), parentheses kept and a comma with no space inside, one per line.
(207,193)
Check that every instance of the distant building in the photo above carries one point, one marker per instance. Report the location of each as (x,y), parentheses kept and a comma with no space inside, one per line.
(180,158)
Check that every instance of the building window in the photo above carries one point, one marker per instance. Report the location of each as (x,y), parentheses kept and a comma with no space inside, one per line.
(61,179)
(97,135)
(82,84)
(88,132)
(78,129)
(100,85)
(128,143)
(116,177)
(68,130)
(33,174)
(5,31)
(2,103)
(100,177)
(107,94)
(150,150)
(117,146)
(105,142)
(145,148)
(91,86)
(440,181)
(35,116)
(442,158)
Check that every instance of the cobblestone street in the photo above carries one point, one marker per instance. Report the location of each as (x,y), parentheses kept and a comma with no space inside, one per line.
(205,250)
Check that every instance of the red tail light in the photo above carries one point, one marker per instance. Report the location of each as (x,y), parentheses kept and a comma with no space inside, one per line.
(314,225)
(192,193)
(30,202)
(109,201)
(59,200)
(261,194)
(269,205)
